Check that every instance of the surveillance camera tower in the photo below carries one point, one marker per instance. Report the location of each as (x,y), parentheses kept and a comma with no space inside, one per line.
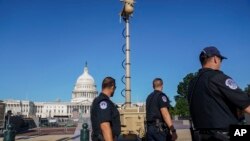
(126,12)
(132,116)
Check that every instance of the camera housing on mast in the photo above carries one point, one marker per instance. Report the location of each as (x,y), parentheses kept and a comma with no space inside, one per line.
(128,8)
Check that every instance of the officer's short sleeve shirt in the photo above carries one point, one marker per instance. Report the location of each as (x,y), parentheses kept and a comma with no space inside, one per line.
(230,90)
(163,101)
(104,110)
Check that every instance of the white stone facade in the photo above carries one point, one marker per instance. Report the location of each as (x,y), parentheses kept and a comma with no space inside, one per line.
(18,107)
(53,109)
(85,88)
(82,96)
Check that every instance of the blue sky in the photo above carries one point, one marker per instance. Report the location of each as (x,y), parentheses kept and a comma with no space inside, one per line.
(44,44)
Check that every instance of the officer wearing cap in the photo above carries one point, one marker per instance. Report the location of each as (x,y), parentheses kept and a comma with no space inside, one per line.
(105,118)
(159,123)
(214,98)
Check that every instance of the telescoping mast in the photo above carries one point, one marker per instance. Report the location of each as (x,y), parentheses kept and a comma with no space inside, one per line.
(132,116)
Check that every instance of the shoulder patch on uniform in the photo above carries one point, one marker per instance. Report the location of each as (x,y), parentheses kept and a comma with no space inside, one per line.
(164,98)
(231,84)
(103,105)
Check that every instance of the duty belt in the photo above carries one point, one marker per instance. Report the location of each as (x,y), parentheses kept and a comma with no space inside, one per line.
(151,122)
(212,130)
(218,134)
(161,126)
(215,131)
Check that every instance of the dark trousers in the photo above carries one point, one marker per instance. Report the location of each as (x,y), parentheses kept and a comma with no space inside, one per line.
(154,134)
(210,136)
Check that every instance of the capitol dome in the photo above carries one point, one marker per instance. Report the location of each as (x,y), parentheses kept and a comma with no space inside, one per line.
(85,88)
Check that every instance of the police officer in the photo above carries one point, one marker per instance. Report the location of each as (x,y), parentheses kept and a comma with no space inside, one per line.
(159,123)
(214,98)
(105,118)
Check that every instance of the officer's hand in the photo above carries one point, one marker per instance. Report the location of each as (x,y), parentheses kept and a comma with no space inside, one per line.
(174,136)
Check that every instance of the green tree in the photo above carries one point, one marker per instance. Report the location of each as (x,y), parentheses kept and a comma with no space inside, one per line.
(172,111)
(247,89)
(181,107)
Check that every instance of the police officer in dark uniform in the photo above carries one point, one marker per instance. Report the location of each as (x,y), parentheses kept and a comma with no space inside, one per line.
(159,123)
(105,118)
(214,99)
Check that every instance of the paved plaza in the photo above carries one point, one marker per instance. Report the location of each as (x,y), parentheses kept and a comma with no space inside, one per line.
(183,133)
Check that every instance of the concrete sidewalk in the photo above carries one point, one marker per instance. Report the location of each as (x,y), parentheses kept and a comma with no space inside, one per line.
(183,135)
(44,138)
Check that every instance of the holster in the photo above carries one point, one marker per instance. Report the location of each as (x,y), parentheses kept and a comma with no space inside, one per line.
(161,127)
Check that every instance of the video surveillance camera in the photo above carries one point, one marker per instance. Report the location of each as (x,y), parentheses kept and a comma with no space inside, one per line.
(128,8)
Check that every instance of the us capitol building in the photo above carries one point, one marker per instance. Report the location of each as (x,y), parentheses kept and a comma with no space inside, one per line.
(83,94)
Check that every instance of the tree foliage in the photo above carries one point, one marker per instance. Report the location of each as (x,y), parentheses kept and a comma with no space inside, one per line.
(181,107)
(182,88)
(172,111)
(247,89)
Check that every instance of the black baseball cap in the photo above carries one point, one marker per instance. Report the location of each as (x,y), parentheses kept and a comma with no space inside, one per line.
(212,51)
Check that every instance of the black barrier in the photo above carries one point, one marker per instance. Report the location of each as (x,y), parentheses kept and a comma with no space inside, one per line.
(10,134)
(84,136)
